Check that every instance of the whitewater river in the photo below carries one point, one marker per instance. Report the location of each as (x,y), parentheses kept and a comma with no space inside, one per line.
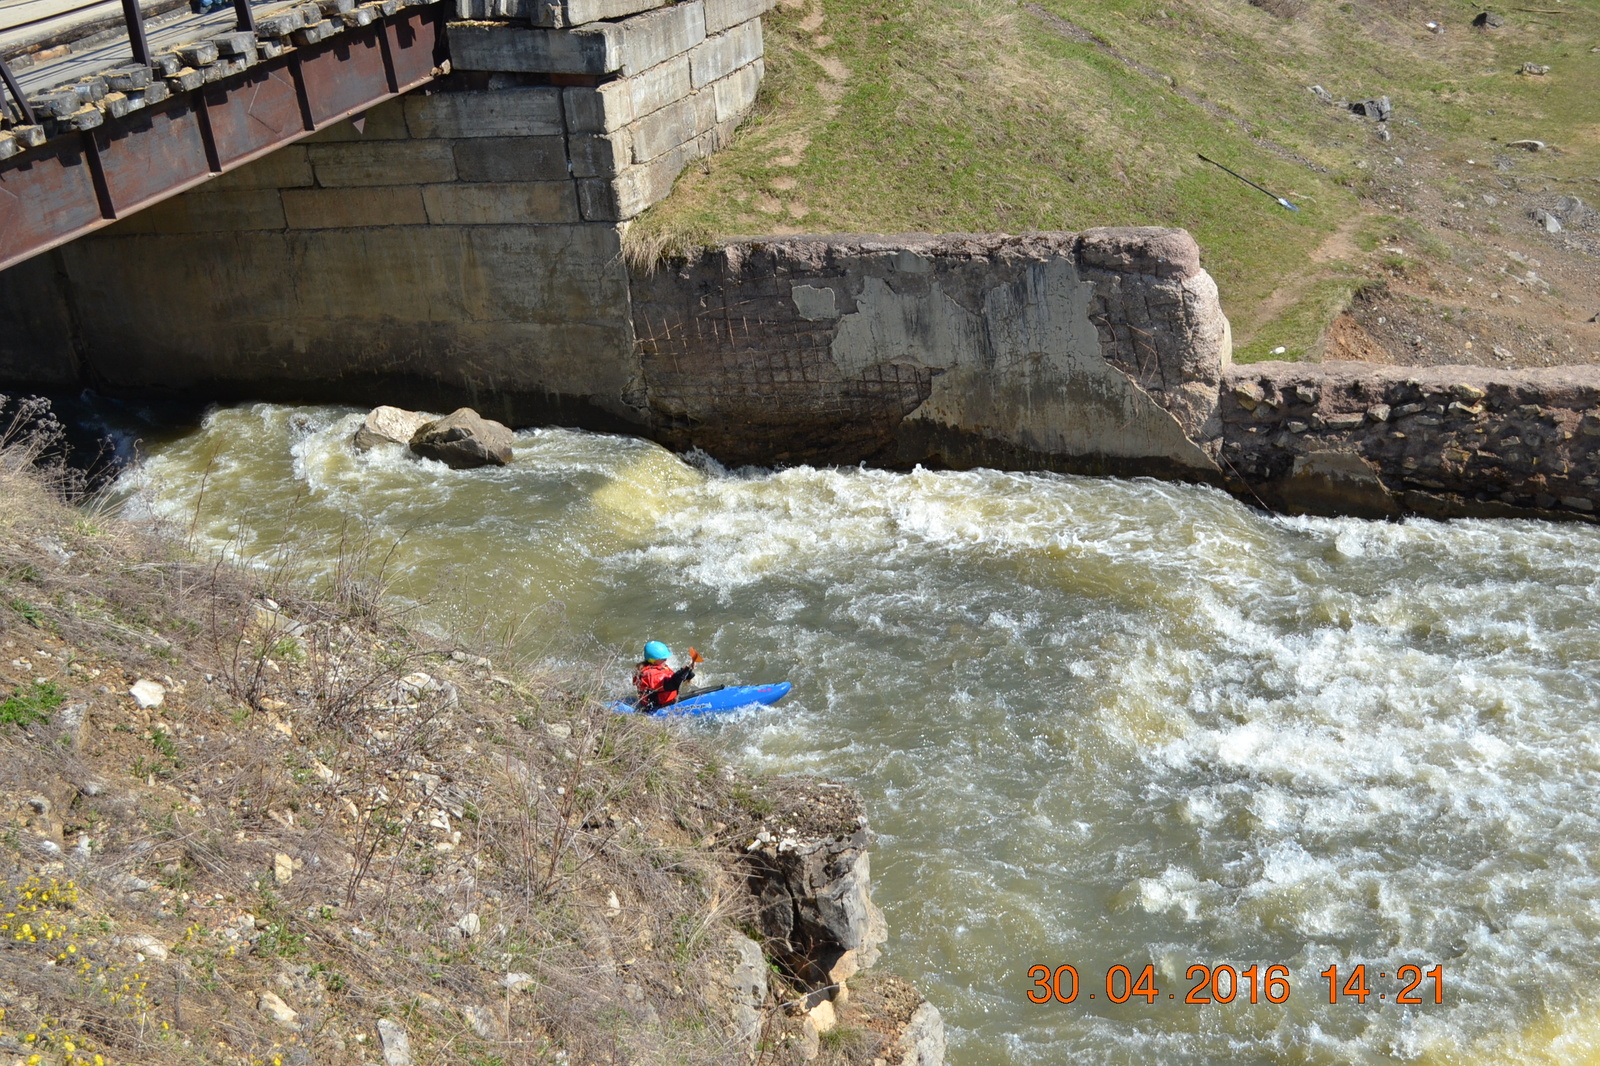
(1096,722)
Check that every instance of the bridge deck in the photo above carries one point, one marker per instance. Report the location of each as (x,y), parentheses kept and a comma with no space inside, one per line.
(90,47)
(91,162)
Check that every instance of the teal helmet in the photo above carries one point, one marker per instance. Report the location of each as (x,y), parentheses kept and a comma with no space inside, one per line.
(657,650)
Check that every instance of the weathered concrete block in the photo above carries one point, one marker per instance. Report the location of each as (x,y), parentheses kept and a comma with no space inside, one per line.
(634,189)
(717,57)
(386,122)
(393,205)
(382,162)
(501,203)
(721,14)
(529,112)
(600,155)
(601,109)
(657,36)
(287,168)
(630,46)
(735,93)
(485,46)
(655,135)
(512,159)
(559,13)
(209,210)
(651,90)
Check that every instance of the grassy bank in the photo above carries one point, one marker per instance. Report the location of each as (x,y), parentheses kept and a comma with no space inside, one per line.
(245,818)
(974,115)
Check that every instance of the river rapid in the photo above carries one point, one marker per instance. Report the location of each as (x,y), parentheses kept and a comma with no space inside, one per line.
(1096,722)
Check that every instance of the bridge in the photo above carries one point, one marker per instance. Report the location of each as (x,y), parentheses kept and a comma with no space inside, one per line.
(105,120)
(112,106)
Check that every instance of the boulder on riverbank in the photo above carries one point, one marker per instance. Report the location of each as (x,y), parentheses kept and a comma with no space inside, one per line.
(388,425)
(464,439)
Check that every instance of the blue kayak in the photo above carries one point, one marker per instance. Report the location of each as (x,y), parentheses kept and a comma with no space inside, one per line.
(718,700)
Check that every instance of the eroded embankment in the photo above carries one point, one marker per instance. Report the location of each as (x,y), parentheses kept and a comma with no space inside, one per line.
(291,830)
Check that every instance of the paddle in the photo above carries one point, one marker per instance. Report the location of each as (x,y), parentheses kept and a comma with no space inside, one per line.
(695,659)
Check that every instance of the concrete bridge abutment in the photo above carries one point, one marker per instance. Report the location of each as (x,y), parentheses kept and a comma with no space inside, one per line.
(458,244)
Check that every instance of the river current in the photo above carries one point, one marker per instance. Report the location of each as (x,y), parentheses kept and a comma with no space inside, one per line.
(1096,722)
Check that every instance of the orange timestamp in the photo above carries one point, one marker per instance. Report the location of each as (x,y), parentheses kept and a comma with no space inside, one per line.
(1225,984)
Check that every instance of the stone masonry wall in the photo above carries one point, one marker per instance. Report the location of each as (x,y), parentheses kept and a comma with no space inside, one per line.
(1348,438)
(461,244)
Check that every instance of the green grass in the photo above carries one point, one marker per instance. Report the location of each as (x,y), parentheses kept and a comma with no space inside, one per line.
(27,706)
(967,115)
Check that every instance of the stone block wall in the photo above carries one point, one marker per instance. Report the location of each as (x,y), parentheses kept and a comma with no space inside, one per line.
(1376,441)
(459,245)
(642,97)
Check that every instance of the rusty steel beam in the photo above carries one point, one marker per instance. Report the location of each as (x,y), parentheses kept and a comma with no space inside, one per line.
(24,109)
(80,182)
(138,40)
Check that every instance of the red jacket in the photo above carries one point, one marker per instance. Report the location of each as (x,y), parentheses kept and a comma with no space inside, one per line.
(649,679)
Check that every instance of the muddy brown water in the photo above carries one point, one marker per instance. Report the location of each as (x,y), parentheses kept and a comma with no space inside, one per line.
(1099,723)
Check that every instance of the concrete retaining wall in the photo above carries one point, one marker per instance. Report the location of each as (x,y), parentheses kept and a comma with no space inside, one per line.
(959,350)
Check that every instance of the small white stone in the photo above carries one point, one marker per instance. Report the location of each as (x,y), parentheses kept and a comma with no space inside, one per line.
(147,694)
(470,925)
(396,1044)
(275,1008)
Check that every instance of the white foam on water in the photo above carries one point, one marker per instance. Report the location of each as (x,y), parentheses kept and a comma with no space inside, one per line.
(1096,722)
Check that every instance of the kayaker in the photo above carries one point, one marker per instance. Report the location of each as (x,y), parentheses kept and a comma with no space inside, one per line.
(658,683)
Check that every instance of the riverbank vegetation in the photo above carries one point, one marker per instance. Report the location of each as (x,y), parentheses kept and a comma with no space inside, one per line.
(968,116)
(248,818)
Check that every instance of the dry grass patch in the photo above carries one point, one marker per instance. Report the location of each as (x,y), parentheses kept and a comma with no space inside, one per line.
(328,820)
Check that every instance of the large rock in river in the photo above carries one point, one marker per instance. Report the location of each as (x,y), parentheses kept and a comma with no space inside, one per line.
(388,425)
(464,439)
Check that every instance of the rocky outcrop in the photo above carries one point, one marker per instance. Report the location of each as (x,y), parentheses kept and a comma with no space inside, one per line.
(807,865)
(810,871)
(463,439)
